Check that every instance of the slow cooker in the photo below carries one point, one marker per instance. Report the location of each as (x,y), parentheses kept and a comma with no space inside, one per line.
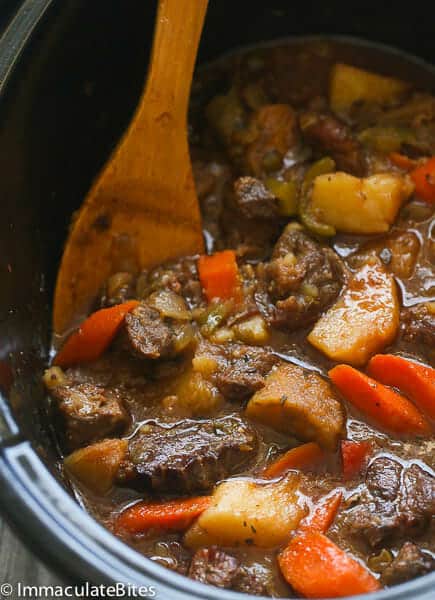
(71,72)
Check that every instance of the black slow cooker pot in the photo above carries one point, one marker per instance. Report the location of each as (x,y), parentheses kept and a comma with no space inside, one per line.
(70,74)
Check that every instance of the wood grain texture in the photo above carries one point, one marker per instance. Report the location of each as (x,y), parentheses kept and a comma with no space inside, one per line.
(19,564)
(142,209)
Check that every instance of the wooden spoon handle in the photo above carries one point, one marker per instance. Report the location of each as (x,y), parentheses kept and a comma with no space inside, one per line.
(179,24)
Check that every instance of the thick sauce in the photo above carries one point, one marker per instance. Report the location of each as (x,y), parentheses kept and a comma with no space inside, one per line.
(272,122)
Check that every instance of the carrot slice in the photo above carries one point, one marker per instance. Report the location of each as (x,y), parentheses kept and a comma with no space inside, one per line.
(354,457)
(415,380)
(424,179)
(219,275)
(174,514)
(321,518)
(316,568)
(384,406)
(301,457)
(402,161)
(94,335)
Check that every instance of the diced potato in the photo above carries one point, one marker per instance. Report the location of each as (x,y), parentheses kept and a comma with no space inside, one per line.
(245,512)
(355,205)
(196,396)
(299,403)
(364,319)
(96,466)
(252,331)
(349,84)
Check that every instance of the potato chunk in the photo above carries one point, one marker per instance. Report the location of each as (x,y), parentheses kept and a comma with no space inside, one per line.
(96,466)
(246,512)
(355,205)
(364,319)
(195,394)
(299,403)
(350,84)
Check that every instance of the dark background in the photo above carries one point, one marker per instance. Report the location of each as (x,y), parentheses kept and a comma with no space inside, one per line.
(16,562)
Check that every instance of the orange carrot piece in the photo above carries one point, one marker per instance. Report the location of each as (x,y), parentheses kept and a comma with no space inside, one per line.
(316,568)
(402,161)
(322,516)
(94,335)
(415,380)
(301,457)
(354,457)
(424,179)
(219,275)
(175,514)
(383,405)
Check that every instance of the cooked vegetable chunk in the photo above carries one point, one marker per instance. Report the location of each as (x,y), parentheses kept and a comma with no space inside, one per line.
(303,457)
(354,205)
(299,403)
(316,568)
(174,514)
(219,275)
(364,319)
(245,512)
(382,405)
(349,84)
(96,466)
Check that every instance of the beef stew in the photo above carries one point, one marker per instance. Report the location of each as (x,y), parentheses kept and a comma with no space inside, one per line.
(222,414)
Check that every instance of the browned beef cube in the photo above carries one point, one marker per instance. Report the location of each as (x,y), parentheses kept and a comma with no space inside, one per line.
(241,371)
(400,501)
(301,281)
(254,200)
(333,137)
(410,562)
(189,455)
(214,566)
(89,412)
(147,333)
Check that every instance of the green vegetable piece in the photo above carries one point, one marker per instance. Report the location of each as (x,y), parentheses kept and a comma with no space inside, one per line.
(386,139)
(321,167)
(286,193)
(214,317)
(378,562)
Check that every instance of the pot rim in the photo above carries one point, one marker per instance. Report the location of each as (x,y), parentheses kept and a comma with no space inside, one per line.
(44,515)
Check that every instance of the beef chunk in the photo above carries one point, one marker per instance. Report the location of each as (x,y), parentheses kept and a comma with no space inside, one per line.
(418,324)
(148,334)
(383,478)
(400,501)
(254,200)
(253,580)
(303,279)
(189,455)
(410,562)
(214,566)
(241,371)
(179,276)
(89,412)
(333,137)
(158,328)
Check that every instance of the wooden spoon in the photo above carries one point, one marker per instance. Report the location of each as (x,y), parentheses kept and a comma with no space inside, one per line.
(142,209)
